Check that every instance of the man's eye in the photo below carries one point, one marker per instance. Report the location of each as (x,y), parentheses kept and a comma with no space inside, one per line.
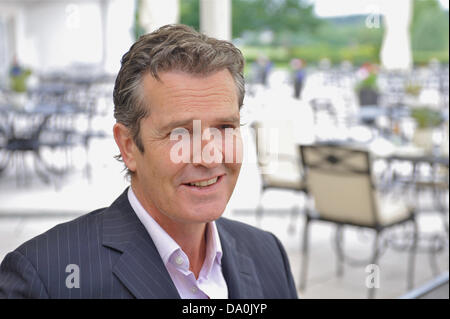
(225,126)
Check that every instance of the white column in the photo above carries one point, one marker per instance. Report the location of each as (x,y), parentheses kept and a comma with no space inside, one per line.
(119,22)
(104,17)
(215,18)
(156,13)
(396,48)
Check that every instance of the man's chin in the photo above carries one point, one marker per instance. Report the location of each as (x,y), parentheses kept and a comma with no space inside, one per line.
(203,213)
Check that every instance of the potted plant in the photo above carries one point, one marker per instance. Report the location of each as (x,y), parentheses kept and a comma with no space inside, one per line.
(412,94)
(18,82)
(427,120)
(367,87)
(413,89)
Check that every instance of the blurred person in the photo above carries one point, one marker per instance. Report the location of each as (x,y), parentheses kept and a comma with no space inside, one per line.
(15,69)
(298,76)
(261,69)
(266,69)
(164,237)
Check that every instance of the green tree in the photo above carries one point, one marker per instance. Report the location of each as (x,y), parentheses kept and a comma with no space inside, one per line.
(258,15)
(190,13)
(429,27)
(279,16)
(138,29)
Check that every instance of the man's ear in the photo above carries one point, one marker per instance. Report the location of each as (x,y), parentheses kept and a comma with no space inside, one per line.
(126,145)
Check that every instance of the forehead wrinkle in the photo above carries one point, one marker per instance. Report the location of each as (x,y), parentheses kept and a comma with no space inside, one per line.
(196,87)
(211,91)
(190,102)
(190,98)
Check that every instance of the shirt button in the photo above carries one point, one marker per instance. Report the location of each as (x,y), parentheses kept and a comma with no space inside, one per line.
(179,260)
(194,289)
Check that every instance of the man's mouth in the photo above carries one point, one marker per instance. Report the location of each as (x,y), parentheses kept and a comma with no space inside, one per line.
(205,183)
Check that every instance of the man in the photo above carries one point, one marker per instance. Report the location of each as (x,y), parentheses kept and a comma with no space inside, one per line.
(298,75)
(163,237)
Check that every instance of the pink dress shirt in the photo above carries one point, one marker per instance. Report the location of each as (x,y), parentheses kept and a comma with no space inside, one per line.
(210,282)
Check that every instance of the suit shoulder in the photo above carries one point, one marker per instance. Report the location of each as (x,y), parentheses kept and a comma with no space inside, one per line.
(266,251)
(240,229)
(235,224)
(79,227)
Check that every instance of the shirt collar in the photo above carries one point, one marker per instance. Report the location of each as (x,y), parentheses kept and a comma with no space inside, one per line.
(165,244)
(213,250)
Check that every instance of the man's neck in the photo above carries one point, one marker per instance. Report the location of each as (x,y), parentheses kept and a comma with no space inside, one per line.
(191,237)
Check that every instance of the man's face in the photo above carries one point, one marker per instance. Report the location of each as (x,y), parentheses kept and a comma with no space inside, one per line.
(165,186)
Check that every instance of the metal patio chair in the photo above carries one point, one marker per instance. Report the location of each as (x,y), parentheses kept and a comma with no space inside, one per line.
(339,180)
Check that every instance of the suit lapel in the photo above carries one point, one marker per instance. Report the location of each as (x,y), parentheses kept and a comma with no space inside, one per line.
(140,267)
(238,269)
(142,271)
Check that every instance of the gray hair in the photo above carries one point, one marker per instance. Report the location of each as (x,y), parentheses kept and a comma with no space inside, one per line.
(170,48)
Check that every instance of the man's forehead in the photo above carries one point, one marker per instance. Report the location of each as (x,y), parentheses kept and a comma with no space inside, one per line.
(179,92)
(180,79)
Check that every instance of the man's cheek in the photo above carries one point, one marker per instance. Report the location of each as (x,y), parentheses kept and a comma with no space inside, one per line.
(239,151)
(233,150)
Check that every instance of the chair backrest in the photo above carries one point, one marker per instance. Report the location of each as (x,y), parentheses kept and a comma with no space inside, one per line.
(339,180)
(276,146)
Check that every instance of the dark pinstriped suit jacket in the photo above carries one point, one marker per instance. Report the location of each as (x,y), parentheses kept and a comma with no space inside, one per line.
(117,259)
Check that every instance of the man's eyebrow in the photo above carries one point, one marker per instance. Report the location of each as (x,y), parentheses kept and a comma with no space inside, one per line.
(231,119)
(190,122)
(175,124)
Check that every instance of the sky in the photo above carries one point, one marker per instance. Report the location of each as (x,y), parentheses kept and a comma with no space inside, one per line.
(330,8)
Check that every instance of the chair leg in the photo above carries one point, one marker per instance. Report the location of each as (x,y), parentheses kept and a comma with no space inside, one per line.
(412,257)
(295,212)
(16,164)
(340,256)
(293,220)
(376,251)
(433,262)
(304,261)
(259,213)
(259,209)
(439,198)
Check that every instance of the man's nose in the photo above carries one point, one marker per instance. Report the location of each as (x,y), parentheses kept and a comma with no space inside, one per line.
(209,154)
